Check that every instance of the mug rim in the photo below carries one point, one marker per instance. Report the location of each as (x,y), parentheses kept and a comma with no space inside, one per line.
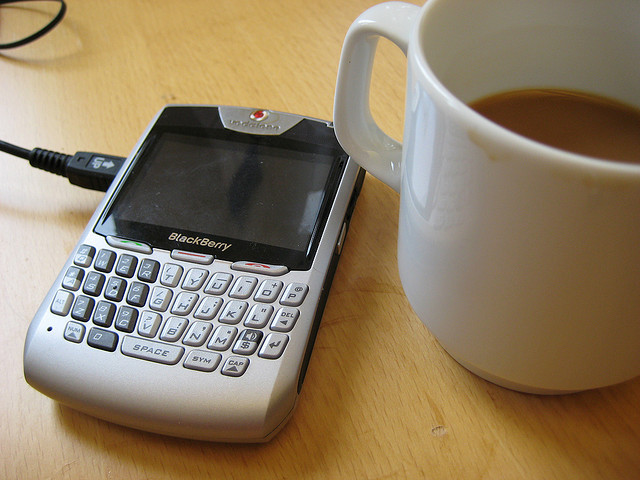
(439,93)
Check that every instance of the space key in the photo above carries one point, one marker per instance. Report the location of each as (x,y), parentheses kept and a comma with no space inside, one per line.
(148,350)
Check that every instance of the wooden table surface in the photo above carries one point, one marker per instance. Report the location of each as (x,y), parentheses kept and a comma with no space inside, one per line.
(381,398)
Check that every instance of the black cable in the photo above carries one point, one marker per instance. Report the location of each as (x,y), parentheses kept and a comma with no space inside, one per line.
(43,31)
(85,169)
(14,150)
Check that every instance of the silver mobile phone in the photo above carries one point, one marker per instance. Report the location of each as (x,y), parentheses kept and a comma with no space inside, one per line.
(190,304)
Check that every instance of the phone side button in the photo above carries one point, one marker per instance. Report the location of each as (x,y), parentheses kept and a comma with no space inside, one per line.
(149,350)
(341,237)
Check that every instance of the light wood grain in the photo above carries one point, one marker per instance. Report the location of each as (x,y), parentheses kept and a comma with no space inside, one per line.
(381,398)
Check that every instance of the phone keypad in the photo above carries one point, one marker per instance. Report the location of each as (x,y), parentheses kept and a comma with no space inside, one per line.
(170,313)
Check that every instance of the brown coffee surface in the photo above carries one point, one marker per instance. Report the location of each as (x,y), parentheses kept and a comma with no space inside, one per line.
(570,120)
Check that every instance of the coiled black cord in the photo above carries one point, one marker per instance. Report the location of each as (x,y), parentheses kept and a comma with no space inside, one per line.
(43,31)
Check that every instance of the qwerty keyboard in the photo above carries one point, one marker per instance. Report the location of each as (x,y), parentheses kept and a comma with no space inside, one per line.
(177,311)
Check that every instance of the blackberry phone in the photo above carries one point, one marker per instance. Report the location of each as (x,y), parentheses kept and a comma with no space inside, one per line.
(190,305)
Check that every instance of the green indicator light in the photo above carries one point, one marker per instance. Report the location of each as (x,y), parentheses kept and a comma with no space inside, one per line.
(130,241)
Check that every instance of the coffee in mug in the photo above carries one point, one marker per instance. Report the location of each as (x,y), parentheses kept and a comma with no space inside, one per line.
(575,121)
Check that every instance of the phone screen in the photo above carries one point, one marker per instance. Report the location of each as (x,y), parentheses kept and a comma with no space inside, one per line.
(250,193)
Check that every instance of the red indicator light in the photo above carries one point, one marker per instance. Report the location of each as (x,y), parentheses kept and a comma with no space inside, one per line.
(259,115)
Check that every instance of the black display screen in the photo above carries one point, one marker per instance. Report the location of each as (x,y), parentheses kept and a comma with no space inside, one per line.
(237,200)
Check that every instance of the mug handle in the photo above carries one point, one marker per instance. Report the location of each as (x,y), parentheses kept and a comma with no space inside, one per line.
(354,125)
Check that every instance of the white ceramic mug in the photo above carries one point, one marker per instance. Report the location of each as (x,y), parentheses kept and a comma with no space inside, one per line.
(523,260)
